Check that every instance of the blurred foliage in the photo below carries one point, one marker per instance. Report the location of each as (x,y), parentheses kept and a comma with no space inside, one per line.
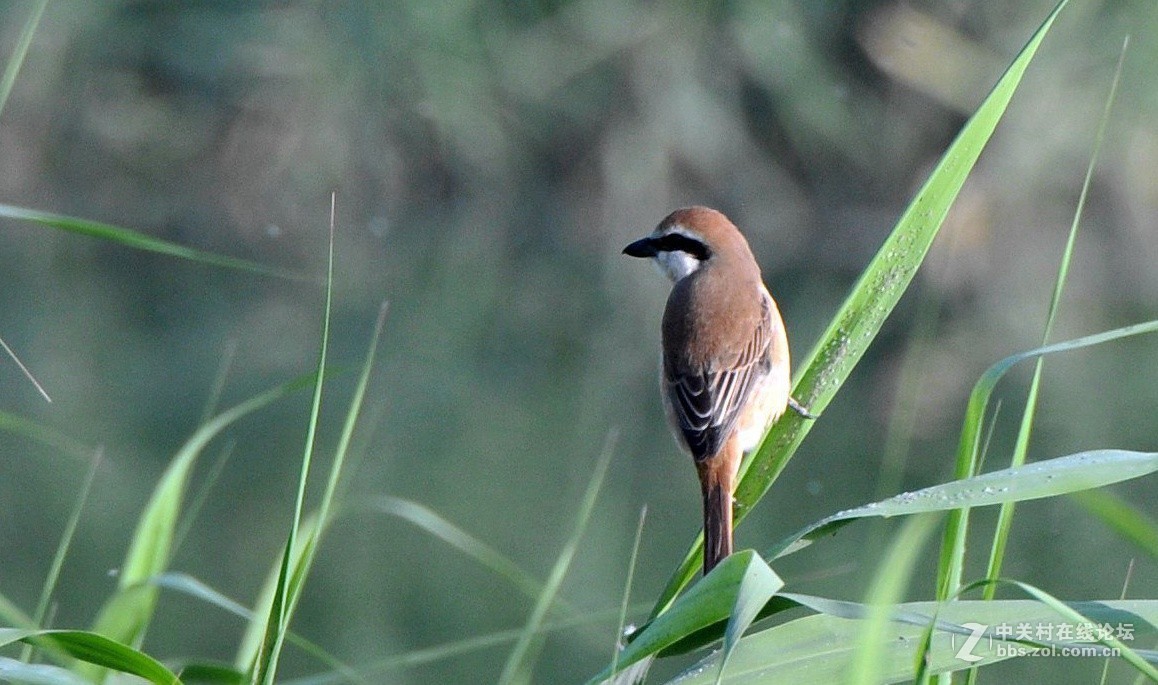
(490,160)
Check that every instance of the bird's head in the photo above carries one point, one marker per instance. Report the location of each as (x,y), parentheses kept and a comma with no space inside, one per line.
(689,238)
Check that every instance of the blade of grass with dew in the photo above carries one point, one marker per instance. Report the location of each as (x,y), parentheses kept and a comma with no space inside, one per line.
(291,574)
(888,586)
(140,241)
(1046,478)
(1005,516)
(818,649)
(872,299)
(53,575)
(519,662)
(968,450)
(125,616)
(98,650)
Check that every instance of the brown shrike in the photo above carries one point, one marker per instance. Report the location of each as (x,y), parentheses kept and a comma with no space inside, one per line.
(725,375)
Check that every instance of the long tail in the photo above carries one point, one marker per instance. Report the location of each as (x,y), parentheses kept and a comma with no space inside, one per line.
(717,480)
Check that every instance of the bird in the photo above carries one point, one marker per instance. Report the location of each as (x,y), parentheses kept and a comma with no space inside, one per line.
(725,367)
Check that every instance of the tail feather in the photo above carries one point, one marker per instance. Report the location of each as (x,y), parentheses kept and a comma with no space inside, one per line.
(717,524)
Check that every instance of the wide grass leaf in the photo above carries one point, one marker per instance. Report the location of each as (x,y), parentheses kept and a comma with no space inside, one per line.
(95,649)
(708,602)
(1047,478)
(818,649)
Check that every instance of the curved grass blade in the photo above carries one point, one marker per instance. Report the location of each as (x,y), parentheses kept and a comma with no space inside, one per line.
(18,425)
(1047,478)
(190,586)
(430,521)
(96,649)
(872,299)
(126,615)
(968,450)
(1123,518)
(141,241)
(758,585)
(707,603)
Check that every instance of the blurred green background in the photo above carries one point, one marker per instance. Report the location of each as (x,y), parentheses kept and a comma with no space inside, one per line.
(490,160)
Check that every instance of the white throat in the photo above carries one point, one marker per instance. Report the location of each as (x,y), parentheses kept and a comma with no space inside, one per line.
(676,265)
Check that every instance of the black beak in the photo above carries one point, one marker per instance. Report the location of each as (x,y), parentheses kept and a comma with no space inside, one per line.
(644,247)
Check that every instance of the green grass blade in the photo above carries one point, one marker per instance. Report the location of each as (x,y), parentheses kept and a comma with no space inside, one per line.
(706,604)
(141,241)
(126,615)
(13,671)
(872,299)
(889,584)
(433,523)
(21,52)
(96,649)
(969,448)
(819,649)
(520,660)
(622,623)
(1123,518)
(296,558)
(352,415)
(1047,478)
(62,550)
(190,586)
(1021,448)
(758,585)
(12,615)
(1075,616)
(18,425)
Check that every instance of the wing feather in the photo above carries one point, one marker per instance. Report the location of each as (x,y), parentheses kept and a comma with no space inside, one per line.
(706,403)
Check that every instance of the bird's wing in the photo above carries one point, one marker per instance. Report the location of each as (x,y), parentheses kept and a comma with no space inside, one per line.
(707,403)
